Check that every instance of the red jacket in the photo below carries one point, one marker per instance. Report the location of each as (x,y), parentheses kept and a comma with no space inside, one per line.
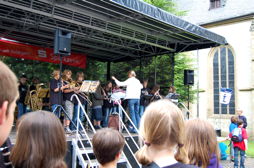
(241,145)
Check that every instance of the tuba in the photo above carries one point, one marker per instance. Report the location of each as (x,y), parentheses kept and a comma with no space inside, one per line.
(37,96)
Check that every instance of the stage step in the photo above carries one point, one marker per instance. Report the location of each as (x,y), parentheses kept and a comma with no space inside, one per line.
(88,150)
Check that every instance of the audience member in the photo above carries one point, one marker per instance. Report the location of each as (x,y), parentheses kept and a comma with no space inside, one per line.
(232,126)
(240,143)
(5,154)
(23,89)
(242,117)
(133,92)
(162,130)
(201,144)
(107,146)
(40,142)
(8,96)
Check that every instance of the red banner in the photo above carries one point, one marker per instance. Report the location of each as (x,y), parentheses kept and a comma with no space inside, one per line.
(25,51)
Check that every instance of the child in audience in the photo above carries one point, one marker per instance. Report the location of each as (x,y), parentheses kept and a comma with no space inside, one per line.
(240,146)
(107,146)
(201,144)
(8,97)
(162,130)
(242,117)
(232,126)
(40,142)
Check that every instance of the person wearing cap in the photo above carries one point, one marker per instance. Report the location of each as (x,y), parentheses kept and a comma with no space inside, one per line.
(133,92)
(23,89)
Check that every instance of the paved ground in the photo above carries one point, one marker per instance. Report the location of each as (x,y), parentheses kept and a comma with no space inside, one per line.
(249,163)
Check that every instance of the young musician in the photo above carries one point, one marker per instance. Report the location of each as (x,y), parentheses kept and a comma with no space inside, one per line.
(56,96)
(144,99)
(107,103)
(67,93)
(23,89)
(97,103)
(79,80)
(156,93)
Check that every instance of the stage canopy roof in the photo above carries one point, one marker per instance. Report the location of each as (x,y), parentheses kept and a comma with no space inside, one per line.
(107,30)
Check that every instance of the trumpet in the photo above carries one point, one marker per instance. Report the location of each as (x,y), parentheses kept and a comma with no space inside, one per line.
(71,83)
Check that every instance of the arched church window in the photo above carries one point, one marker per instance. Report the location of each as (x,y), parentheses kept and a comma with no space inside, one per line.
(223,77)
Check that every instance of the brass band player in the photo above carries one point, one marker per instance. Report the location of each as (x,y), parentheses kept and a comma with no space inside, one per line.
(23,89)
(56,96)
(67,94)
(79,80)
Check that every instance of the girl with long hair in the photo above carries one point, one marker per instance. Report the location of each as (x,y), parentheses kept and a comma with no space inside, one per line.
(201,144)
(40,142)
(162,132)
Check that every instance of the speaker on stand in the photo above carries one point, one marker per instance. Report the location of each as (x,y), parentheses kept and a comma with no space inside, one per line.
(62,47)
(189,81)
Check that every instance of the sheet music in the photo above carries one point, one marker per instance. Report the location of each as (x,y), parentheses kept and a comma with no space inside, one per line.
(89,86)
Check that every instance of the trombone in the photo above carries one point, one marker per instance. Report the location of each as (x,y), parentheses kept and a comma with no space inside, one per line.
(84,96)
(81,94)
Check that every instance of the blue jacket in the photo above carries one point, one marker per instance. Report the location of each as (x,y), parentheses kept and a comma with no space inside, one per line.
(232,126)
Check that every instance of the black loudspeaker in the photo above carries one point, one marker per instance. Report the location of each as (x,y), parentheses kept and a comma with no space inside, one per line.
(188,77)
(62,42)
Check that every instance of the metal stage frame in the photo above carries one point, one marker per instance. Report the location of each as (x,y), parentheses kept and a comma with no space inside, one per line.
(106,30)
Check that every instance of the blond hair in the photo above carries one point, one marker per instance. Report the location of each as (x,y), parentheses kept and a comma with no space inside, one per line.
(55,73)
(65,72)
(132,73)
(163,125)
(201,142)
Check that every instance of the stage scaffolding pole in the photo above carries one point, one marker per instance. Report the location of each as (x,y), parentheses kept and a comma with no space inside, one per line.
(172,60)
(108,70)
(198,83)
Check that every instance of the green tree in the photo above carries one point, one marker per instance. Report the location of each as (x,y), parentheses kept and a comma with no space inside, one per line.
(167,5)
(159,69)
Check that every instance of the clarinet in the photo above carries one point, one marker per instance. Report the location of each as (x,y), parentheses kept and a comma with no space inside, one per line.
(5,154)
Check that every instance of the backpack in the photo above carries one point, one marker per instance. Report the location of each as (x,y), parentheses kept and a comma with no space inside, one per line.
(237,135)
(114,122)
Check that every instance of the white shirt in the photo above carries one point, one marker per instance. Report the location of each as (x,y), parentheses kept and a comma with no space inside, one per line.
(133,87)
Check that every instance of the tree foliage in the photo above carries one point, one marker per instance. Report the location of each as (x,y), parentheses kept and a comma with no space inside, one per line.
(167,5)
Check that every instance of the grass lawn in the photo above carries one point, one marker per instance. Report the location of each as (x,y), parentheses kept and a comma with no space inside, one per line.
(249,152)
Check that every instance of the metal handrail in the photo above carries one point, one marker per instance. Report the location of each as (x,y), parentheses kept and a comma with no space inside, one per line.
(128,132)
(78,139)
(187,110)
(87,117)
(118,102)
(79,124)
